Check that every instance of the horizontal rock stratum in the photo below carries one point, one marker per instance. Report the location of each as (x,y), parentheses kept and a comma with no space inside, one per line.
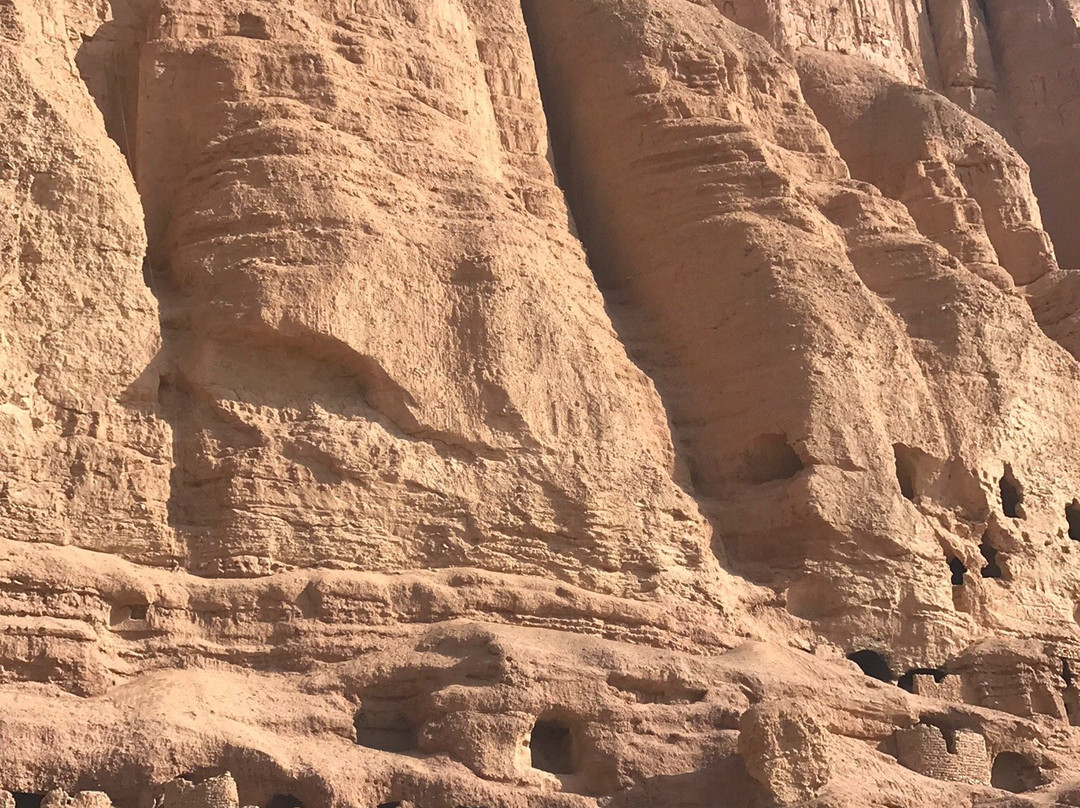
(539,403)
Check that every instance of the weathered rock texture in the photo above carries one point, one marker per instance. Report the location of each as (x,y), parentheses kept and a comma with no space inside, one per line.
(563,403)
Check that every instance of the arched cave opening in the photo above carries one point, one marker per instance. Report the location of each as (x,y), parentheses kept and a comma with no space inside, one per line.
(905,471)
(1014,772)
(1012,494)
(551,745)
(1072,517)
(873,664)
(25,799)
(957,570)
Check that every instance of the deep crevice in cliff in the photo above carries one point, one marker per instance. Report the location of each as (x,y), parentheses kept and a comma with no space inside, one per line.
(634,337)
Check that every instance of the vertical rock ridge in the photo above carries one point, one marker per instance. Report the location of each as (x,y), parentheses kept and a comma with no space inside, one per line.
(366,502)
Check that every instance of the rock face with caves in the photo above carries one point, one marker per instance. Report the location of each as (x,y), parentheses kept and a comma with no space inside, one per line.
(539,403)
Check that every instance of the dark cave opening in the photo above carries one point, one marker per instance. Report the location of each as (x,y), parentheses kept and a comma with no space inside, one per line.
(552,747)
(958,570)
(771,457)
(905,471)
(1072,517)
(873,664)
(1012,494)
(991,569)
(284,801)
(1014,772)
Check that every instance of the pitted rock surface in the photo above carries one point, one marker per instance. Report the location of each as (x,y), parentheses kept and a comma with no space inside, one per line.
(549,403)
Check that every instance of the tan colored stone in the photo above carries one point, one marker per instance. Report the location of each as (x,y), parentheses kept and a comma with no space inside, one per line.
(531,403)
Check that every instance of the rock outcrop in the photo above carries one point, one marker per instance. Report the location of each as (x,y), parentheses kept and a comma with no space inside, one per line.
(564,403)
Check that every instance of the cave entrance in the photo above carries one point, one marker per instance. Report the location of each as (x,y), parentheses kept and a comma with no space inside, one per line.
(991,569)
(873,664)
(771,457)
(552,746)
(1072,517)
(905,471)
(957,570)
(1014,772)
(1012,494)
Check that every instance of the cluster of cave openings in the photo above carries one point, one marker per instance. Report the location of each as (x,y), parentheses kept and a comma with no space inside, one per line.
(874,665)
(553,747)
(1012,494)
(1014,772)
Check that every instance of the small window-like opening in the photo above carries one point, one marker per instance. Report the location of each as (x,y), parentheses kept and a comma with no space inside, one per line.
(907,681)
(873,665)
(1012,495)
(905,471)
(123,612)
(1014,772)
(552,747)
(252,26)
(1072,516)
(771,457)
(26,800)
(395,804)
(284,801)
(991,569)
(958,570)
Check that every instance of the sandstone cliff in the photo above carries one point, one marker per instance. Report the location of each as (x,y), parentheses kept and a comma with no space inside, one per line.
(491,403)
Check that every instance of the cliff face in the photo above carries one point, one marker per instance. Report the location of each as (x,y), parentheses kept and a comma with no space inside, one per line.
(539,402)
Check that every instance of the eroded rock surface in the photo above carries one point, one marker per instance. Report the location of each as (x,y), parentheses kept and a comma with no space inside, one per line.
(490,403)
